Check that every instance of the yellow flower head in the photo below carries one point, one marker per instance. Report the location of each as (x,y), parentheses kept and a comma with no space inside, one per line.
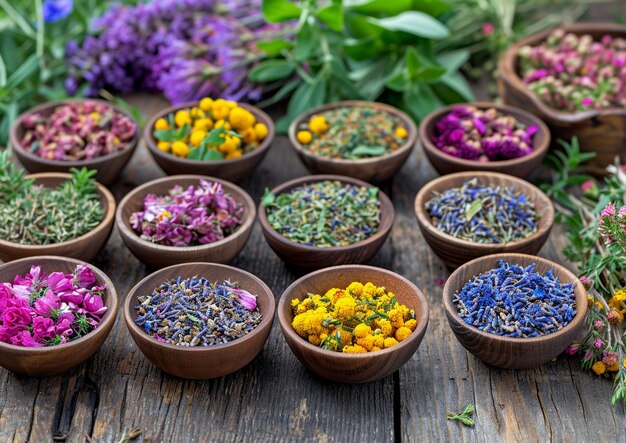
(385,327)
(411,324)
(620,295)
(379,341)
(367,342)
(220,109)
(181,118)
(164,146)
(318,124)
(389,342)
(355,288)
(370,290)
(376,348)
(361,330)
(203,124)
(223,123)
(354,349)
(613,368)
(241,119)
(260,129)
(196,137)
(599,368)
(233,155)
(344,308)
(304,137)
(401,132)
(248,135)
(231,144)
(206,104)
(403,333)
(161,125)
(196,113)
(295,302)
(180,149)
(315,340)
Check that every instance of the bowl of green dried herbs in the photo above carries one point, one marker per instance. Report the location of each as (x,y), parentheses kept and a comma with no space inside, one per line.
(365,140)
(69,215)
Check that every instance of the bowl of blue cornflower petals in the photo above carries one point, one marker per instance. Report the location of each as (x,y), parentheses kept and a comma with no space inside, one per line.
(515,311)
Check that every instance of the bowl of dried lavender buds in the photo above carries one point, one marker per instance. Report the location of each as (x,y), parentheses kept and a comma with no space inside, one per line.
(185,218)
(75,133)
(52,213)
(365,140)
(515,311)
(467,215)
(318,221)
(200,320)
(483,136)
(572,78)
(55,312)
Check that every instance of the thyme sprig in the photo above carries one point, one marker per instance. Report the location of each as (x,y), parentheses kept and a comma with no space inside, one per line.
(464,417)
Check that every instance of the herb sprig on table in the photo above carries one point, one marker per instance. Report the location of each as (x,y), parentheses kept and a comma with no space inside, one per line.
(33,215)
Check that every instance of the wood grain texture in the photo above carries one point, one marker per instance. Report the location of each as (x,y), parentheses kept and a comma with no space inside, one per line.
(85,247)
(158,256)
(522,167)
(353,368)
(275,397)
(109,166)
(312,257)
(601,131)
(54,360)
(233,170)
(201,362)
(373,170)
(454,251)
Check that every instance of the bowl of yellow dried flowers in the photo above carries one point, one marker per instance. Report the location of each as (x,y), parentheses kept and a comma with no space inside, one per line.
(220,138)
(353,323)
(365,140)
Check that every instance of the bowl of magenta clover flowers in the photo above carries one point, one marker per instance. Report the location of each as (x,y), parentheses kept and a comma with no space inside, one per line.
(482,136)
(186,218)
(55,313)
(572,77)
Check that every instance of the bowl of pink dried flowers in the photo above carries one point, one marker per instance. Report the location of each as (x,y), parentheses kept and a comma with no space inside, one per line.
(55,313)
(572,77)
(482,136)
(186,218)
(75,133)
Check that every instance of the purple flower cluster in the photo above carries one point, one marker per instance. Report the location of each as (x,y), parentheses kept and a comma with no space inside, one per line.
(185,48)
(483,135)
(77,131)
(188,217)
(576,73)
(40,309)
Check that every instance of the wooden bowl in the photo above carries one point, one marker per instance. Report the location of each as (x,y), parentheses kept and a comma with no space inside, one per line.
(453,251)
(312,257)
(353,368)
(602,131)
(512,352)
(85,247)
(54,360)
(158,256)
(210,361)
(519,167)
(375,169)
(233,170)
(109,166)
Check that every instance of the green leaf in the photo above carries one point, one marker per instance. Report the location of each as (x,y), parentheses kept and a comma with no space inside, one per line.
(305,97)
(360,26)
(273,48)
(416,23)
(453,60)
(458,84)
(268,198)
(196,153)
(212,154)
(271,70)
(26,69)
(332,16)
(420,101)
(215,137)
(305,41)
(363,49)
(363,151)
(276,11)
(473,209)
(379,7)
(165,135)
(281,93)
(412,62)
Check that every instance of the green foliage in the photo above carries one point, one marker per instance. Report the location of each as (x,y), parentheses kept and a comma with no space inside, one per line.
(361,49)
(464,417)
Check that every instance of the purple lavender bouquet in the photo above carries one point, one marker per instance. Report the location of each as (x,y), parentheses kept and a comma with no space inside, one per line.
(188,49)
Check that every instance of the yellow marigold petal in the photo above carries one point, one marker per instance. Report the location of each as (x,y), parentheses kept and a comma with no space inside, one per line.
(304,137)
(206,104)
(599,368)
(164,146)
(401,132)
(261,131)
(411,324)
(361,330)
(161,125)
(180,149)
(403,333)
(390,342)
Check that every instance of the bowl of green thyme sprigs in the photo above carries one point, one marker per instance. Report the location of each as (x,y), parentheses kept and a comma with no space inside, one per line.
(69,215)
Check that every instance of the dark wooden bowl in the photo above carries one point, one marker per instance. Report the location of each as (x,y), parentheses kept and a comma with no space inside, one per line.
(519,167)
(233,170)
(453,251)
(210,361)
(353,368)
(511,352)
(54,360)
(602,131)
(311,257)
(85,247)
(159,256)
(375,169)
(109,166)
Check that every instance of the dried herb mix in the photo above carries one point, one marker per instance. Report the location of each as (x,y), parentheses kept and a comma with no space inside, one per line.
(324,214)
(196,312)
(33,215)
(483,214)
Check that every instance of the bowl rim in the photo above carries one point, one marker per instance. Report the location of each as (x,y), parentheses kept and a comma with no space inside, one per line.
(406,147)
(266,320)
(422,320)
(383,228)
(544,224)
(110,316)
(19,149)
(107,219)
(507,66)
(580,295)
(247,202)
(260,115)
(431,119)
